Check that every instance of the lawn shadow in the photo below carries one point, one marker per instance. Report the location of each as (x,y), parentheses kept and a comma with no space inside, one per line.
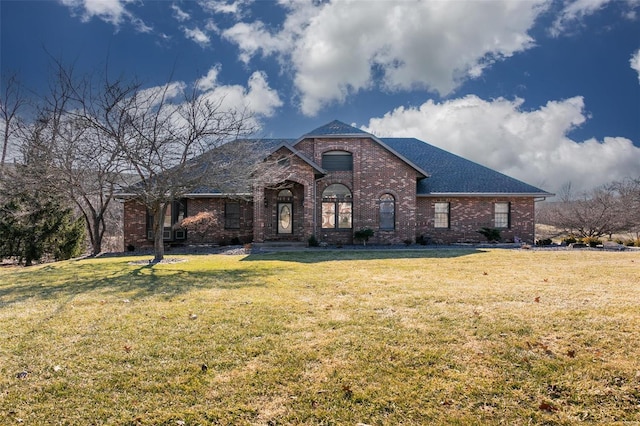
(54,283)
(328,255)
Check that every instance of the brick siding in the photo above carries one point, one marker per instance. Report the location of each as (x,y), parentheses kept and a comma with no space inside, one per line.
(376,172)
(469,214)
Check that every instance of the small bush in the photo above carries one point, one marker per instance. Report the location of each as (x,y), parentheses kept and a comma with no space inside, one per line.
(544,242)
(570,239)
(422,240)
(491,234)
(363,235)
(408,242)
(313,241)
(591,241)
(632,243)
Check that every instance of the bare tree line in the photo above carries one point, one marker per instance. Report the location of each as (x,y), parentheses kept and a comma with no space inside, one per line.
(610,209)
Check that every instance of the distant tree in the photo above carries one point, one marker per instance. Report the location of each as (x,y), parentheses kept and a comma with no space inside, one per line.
(628,194)
(591,214)
(34,220)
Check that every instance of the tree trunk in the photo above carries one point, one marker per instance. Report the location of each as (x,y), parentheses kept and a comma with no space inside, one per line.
(96,240)
(158,228)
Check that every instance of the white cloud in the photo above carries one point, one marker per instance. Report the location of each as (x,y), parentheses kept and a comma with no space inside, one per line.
(261,99)
(228,7)
(180,14)
(532,146)
(210,25)
(338,48)
(635,62)
(257,98)
(575,11)
(210,80)
(252,38)
(154,96)
(197,35)
(111,11)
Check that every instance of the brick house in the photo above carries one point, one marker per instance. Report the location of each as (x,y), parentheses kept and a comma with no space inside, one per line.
(338,179)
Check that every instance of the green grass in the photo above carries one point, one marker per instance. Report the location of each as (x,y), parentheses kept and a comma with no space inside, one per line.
(325,338)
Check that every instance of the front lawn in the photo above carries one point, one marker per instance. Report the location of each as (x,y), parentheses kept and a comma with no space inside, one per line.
(325,337)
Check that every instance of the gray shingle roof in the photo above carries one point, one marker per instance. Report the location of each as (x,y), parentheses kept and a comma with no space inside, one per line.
(336,128)
(451,174)
(447,173)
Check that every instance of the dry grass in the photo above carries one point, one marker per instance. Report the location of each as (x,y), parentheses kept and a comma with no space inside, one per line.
(325,337)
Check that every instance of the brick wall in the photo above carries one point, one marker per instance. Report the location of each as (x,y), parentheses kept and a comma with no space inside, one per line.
(298,176)
(376,171)
(135,223)
(468,214)
(221,235)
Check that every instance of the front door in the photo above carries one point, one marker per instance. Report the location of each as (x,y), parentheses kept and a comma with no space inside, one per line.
(285,218)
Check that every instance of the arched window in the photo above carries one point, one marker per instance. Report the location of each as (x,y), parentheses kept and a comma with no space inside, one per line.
(337,207)
(285,195)
(387,212)
(337,161)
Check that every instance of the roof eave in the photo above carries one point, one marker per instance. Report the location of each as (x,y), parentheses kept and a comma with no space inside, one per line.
(218,195)
(486,194)
(129,196)
(300,155)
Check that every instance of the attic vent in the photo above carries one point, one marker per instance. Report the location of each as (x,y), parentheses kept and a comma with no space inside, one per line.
(337,161)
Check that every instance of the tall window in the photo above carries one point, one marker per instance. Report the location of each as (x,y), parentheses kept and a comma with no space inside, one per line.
(502,215)
(174,213)
(441,216)
(337,160)
(232,215)
(387,212)
(337,207)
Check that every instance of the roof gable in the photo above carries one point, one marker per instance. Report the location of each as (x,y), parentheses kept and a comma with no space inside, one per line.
(336,128)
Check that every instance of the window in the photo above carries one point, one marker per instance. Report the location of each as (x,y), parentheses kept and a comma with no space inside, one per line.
(502,216)
(174,213)
(387,212)
(441,216)
(285,195)
(337,161)
(232,215)
(336,207)
(285,212)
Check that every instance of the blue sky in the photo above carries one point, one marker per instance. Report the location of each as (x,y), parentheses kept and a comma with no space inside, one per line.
(546,91)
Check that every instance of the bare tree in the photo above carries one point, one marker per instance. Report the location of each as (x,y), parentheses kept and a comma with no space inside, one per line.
(83,162)
(97,135)
(11,102)
(601,211)
(177,141)
(628,194)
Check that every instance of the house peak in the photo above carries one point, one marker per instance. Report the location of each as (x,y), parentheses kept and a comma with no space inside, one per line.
(336,127)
